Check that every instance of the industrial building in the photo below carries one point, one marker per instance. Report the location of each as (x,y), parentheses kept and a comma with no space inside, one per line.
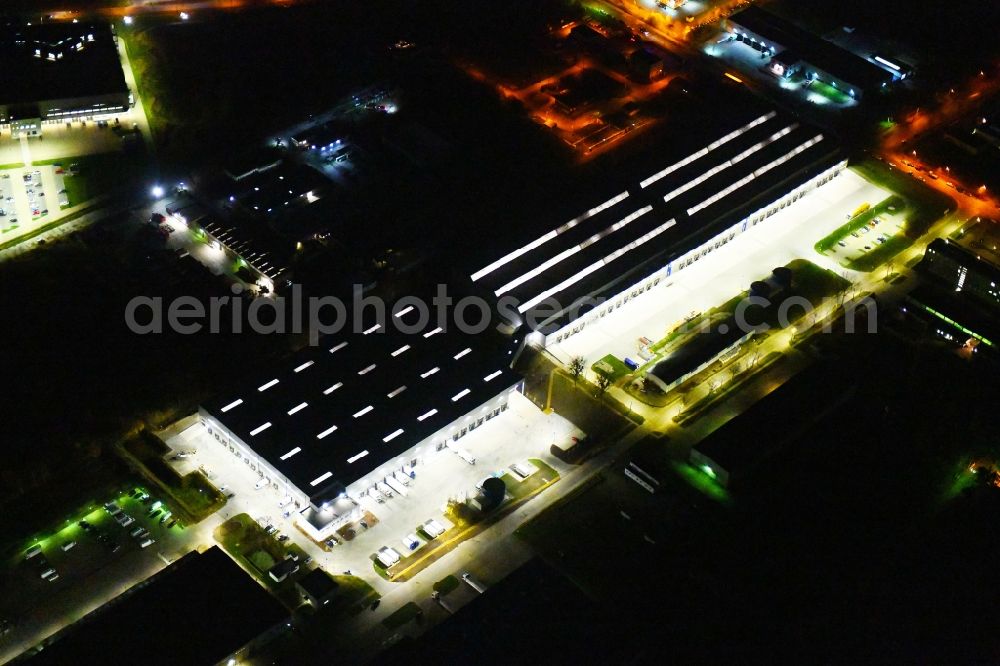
(720,178)
(278,190)
(735,450)
(952,317)
(704,348)
(59,72)
(120,631)
(362,409)
(792,51)
(963,300)
(259,259)
(317,587)
(963,270)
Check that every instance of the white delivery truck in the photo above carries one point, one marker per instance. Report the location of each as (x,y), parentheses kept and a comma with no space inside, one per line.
(473,583)
(396,485)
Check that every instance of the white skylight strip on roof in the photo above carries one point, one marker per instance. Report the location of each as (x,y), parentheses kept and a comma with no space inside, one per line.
(233,404)
(887,63)
(291,453)
(371,329)
(338,347)
(259,429)
(363,411)
(728,163)
(304,366)
(326,432)
(746,128)
(395,392)
(596,265)
(320,479)
(673,167)
(535,272)
(400,350)
(357,457)
(719,195)
(507,258)
(492,375)
(706,150)
(333,388)
(434,332)
(789,155)
(427,415)
(462,353)
(759,172)
(298,408)
(425,375)
(267,385)
(393,435)
(365,371)
(461,394)
(404,311)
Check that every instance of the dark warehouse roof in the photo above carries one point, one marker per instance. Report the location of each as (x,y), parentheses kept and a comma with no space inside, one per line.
(333,413)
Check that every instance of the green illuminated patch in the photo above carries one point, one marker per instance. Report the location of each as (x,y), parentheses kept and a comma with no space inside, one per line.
(702,479)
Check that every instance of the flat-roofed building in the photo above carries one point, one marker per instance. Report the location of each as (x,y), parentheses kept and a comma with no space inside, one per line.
(119,632)
(963,270)
(327,425)
(58,72)
(718,180)
(793,50)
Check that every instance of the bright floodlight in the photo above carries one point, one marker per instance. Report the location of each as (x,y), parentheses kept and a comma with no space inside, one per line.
(156,191)
(184,16)
(128,20)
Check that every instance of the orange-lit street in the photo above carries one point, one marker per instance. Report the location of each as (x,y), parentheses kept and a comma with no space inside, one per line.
(169,7)
(953,106)
(581,124)
(655,21)
(588,104)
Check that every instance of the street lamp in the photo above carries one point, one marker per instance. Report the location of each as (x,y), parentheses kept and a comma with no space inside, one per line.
(156,191)
(128,20)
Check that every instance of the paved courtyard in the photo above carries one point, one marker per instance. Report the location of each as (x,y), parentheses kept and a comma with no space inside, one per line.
(789,234)
(521,432)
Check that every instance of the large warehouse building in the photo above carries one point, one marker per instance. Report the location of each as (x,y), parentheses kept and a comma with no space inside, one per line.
(58,72)
(362,409)
(720,179)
